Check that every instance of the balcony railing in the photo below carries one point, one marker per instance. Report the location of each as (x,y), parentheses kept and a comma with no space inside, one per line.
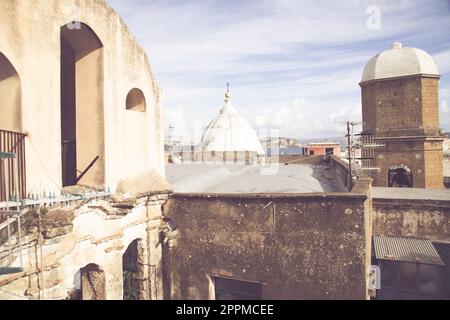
(12,170)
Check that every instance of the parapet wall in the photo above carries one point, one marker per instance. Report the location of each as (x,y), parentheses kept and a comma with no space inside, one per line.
(238,157)
(420,218)
(300,246)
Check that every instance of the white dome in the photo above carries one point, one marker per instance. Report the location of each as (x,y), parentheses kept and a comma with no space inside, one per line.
(230,132)
(399,61)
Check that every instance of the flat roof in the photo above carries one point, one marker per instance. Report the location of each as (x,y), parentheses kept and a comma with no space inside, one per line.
(411,193)
(240,178)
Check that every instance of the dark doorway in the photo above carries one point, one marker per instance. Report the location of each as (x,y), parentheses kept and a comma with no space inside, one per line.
(400,177)
(329,151)
(233,289)
(82,134)
(134,279)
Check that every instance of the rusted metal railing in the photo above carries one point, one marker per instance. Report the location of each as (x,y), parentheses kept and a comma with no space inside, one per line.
(12,178)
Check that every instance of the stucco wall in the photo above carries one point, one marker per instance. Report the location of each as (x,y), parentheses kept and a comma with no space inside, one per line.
(310,246)
(31,42)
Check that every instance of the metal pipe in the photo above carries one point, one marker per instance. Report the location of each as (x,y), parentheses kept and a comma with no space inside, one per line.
(19,233)
(20,240)
(41,243)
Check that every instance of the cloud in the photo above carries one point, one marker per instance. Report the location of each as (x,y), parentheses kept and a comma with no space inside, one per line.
(274,51)
(300,117)
(443,61)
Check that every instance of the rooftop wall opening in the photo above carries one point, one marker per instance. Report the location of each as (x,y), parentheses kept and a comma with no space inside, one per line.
(136,100)
(82,118)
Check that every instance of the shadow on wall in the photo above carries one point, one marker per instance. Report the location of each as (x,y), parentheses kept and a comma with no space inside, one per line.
(10,96)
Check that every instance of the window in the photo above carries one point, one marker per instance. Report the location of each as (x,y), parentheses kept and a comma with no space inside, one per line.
(431,282)
(389,273)
(404,281)
(407,276)
(233,289)
(136,100)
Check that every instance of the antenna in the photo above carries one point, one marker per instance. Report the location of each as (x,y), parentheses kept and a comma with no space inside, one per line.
(360,153)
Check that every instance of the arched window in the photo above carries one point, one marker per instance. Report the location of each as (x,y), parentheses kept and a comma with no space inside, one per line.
(400,177)
(136,100)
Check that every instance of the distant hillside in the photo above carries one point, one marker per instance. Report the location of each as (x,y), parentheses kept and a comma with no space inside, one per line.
(285,142)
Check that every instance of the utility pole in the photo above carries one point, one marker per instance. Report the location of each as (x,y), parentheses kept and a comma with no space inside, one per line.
(349,156)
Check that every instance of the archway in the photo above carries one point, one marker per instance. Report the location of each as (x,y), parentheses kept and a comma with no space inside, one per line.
(400,177)
(82,121)
(10,96)
(89,284)
(135,279)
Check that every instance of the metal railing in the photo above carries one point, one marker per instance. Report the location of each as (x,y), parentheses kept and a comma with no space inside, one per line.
(12,142)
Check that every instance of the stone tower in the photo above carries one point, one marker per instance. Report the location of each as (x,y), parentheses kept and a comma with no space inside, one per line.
(400,107)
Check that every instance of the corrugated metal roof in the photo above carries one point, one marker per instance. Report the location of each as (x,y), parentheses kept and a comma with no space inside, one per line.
(406,249)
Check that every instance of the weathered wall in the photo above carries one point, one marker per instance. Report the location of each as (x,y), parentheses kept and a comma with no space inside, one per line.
(422,157)
(412,218)
(71,238)
(30,39)
(303,246)
(340,170)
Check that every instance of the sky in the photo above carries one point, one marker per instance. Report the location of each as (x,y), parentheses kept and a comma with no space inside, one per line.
(293,65)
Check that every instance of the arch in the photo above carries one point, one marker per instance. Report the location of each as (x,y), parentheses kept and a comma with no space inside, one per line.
(136,100)
(90,284)
(400,176)
(82,121)
(135,279)
(10,96)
